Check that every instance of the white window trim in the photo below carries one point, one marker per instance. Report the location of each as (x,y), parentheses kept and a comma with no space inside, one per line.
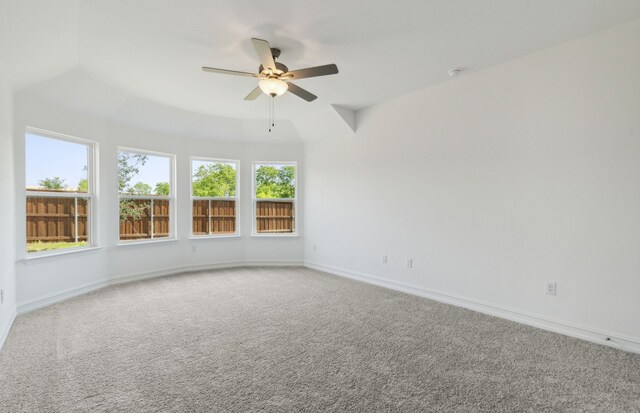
(171,198)
(254,232)
(200,198)
(58,254)
(91,195)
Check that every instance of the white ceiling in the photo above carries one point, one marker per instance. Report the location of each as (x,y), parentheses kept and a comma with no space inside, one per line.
(152,50)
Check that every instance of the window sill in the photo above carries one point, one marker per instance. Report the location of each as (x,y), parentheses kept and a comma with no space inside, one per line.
(146,242)
(215,236)
(296,235)
(52,255)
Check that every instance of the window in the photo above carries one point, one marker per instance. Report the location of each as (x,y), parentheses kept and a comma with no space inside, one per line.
(274,198)
(146,195)
(60,189)
(214,195)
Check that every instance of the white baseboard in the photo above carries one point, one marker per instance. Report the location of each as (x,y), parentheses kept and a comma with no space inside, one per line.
(5,333)
(562,327)
(58,296)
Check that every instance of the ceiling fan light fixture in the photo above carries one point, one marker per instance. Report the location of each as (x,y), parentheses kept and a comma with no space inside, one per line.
(273,87)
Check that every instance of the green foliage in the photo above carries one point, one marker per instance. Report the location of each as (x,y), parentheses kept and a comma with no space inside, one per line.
(52,183)
(83,185)
(275,182)
(162,188)
(129,166)
(140,188)
(215,180)
(133,210)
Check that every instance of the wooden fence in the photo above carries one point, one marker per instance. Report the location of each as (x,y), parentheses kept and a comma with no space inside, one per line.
(214,217)
(57,219)
(275,217)
(65,219)
(153,221)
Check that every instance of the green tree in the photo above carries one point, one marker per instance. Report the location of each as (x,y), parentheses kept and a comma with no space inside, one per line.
(275,182)
(83,185)
(215,180)
(140,188)
(133,210)
(162,188)
(52,183)
(128,167)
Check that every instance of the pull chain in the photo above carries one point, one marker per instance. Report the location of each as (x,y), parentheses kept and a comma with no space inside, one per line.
(269,119)
(270,105)
(272,112)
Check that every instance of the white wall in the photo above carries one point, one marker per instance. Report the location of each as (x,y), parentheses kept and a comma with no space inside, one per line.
(41,278)
(496,182)
(7,237)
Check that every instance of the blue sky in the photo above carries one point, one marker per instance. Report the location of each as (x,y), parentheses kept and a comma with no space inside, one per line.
(155,169)
(48,158)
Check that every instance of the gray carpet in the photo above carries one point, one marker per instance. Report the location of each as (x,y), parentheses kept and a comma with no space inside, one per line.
(291,340)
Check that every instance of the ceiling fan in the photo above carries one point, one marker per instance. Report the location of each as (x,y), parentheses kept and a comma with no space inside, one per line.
(275,78)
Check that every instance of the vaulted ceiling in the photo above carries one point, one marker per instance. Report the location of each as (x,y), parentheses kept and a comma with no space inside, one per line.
(150,52)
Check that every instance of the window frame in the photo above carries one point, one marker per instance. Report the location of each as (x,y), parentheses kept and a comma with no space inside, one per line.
(213,198)
(171,198)
(255,200)
(91,195)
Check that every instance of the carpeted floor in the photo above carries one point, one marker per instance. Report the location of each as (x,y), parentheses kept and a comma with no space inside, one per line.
(291,340)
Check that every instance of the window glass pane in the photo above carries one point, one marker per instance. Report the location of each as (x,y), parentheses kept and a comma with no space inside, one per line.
(275,181)
(144,174)
(223,217)
(211,217)
(56,222)
(144,219)
(275,217)
(213,179)
(55,165)
(135,219)
(140,176)
(59,168)
(201,218)
(160,218)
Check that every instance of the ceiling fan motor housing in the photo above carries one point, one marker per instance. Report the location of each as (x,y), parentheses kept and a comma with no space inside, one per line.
(279,67)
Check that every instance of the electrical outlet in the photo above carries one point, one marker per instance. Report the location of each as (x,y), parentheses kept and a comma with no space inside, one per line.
(409,263)
(193,248)
(550,288)
(384,259)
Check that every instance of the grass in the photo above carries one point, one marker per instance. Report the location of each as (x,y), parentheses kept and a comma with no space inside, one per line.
(47,246)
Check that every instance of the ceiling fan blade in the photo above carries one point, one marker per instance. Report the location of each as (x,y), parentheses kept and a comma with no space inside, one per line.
(264,53)
(254,94)
(300,92)
(228,72)
(325,70)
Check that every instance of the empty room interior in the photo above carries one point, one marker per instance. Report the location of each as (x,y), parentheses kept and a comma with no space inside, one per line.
(362,206)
